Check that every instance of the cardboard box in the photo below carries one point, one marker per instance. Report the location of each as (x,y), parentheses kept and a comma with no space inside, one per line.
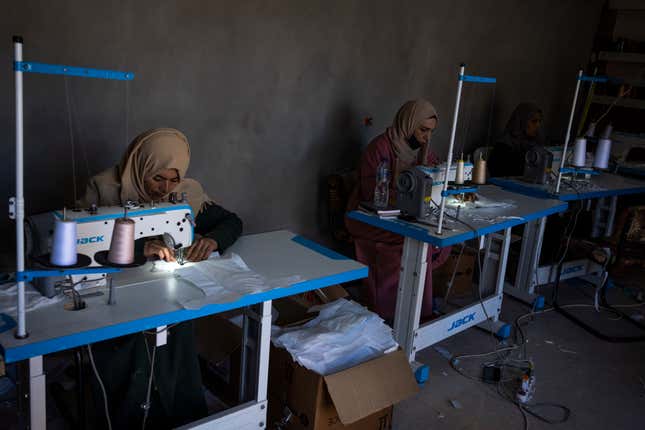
(358,398)
(463,283)
(291,312)
(218,343)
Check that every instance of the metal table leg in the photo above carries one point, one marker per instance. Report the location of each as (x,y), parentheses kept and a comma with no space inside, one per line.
(251,413)
(495,260)
(484,313)
(37,394)
(523,288)
(409,299)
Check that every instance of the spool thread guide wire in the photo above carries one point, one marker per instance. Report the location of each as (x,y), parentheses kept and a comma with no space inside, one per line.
(17,203)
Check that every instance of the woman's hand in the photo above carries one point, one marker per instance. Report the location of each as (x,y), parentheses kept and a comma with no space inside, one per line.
(201,249)
(156,248)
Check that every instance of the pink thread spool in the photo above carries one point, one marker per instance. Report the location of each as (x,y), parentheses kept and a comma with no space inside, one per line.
(122,243)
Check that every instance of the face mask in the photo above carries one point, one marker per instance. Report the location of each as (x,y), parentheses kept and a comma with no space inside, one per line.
(414,143)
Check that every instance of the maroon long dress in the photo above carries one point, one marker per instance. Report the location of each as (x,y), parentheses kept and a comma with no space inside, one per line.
(379,249)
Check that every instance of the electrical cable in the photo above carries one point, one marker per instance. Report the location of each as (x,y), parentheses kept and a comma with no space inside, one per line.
(452,277)
(556,287)
(479,264)
(603,300)
(151,360)
(146,405)
(505,361)
(98,378)
(68,282)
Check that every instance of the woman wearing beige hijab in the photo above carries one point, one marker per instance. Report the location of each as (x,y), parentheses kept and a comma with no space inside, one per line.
(153,166)
(405,144)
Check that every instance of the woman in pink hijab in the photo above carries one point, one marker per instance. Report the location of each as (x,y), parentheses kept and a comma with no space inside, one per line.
(404,144)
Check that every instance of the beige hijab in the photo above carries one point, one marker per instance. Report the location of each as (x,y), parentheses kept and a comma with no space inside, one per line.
(407,119)
(150,152)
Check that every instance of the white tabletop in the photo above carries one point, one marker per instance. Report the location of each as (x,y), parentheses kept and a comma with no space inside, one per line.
(145,299)
(602,185)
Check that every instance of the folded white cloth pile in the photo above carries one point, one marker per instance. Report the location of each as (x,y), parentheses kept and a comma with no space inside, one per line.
(343,335)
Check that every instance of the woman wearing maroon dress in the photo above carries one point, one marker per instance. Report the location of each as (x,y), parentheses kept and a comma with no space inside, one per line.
(403,145)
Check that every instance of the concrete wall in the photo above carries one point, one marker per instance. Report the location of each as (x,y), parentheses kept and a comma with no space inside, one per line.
(271,94)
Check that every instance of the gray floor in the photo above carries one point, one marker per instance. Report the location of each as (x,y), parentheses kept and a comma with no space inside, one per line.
(602,383)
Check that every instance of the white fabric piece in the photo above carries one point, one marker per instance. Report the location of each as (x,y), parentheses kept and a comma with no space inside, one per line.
(343,335)
(215,296)
(481,202)
(226,279)
(33,298)
(171,266)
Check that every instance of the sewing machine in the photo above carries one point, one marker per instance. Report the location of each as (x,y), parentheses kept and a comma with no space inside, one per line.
(173,221)
(418,186)
(628,151)
(538,165)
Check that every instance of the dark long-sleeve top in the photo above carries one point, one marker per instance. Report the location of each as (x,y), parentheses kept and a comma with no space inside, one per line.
(218,224)
(214,222)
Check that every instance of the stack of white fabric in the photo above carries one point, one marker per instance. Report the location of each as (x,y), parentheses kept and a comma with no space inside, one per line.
(343,335)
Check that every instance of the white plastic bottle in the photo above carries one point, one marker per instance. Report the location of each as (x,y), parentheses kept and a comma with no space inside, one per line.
(382,187)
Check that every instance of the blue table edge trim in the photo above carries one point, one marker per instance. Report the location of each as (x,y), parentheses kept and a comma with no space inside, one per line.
(320,249)
(421,233)
(49,346)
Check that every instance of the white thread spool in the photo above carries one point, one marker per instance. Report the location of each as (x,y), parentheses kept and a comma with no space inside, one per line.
(579,152)
(606,133)
(459,174)
(122,243)
(64,243)
(601,158)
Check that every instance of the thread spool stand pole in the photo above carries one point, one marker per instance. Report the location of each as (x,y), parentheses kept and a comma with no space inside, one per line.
(453,132)
(111,290)
(21,331)
(17,203)
(568,135)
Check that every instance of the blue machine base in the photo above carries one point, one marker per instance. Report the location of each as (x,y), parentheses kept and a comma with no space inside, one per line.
(504,332)
(422,374)
(538,303)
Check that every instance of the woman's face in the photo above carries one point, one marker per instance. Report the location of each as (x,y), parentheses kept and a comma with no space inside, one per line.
(161,183)
(533,125)
(425,129)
